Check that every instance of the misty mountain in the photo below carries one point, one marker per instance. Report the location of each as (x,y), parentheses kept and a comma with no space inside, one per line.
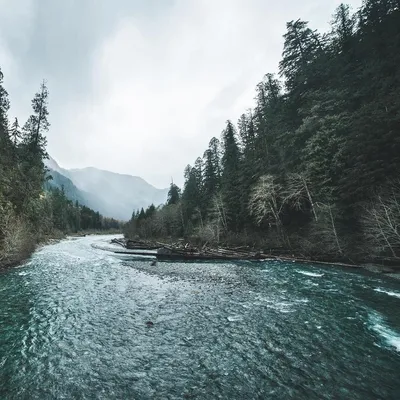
(71,191)
(113,195)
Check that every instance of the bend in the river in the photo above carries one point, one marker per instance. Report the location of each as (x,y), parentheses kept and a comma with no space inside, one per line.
(73,324)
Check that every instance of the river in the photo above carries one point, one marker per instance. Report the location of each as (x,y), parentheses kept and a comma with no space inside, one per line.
(73,325)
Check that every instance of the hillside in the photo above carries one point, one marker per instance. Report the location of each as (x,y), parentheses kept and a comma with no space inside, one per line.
(71,191)
(113,195)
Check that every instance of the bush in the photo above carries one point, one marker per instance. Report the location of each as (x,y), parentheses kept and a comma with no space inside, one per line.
(16,239)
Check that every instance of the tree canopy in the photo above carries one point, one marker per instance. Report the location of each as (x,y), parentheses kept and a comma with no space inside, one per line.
(314,166)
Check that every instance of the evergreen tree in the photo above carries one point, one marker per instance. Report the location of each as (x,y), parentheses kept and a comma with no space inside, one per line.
(37,124)
(301,47)
(230,179)
(249,162)
(215,148)
(174,194)
(190,199)
(210,184)
(211,174)
(15,133)
(4,143)
(33,151)
(150,211)
(4,107)
(343,26)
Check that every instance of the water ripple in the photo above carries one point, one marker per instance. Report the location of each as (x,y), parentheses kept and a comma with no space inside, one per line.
(75,323)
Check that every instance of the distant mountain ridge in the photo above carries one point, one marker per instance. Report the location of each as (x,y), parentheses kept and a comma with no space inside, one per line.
(112,194)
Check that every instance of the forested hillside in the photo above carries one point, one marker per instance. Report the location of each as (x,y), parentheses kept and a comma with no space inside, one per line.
(124,192)
(314,167)
(28,213)
(59,181)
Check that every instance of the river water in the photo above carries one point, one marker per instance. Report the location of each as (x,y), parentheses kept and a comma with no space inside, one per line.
(73,326)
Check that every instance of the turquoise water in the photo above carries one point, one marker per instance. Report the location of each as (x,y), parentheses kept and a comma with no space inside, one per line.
(73,326)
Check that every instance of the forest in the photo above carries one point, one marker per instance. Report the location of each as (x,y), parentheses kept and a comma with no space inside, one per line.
(313,168)
(31,211)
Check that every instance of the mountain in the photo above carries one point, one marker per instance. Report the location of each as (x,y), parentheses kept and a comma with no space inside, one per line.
(72,192)
(113,195)
(51,164)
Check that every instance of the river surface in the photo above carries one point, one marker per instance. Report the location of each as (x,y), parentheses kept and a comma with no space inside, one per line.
(73,325)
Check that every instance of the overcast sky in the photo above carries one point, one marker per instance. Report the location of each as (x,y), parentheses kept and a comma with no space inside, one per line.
(141,86)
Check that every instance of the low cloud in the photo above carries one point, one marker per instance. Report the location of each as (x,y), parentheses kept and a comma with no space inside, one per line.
(145,90)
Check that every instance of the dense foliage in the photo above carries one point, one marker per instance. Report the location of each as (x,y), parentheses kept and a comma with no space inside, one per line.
(28,213)
(314,167)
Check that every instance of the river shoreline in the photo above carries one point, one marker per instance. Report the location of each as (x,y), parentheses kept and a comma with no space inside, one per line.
(19,258)
(389,271)
(14,260)
(136,245)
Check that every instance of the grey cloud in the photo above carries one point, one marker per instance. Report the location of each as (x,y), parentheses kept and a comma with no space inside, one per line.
(137,86)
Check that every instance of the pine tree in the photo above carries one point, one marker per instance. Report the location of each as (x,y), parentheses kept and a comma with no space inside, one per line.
(174,194)
(230,179)
(4,142)
(15,137)
(191,199)
(4,107)
(249,166)
(268,124)
(37,124)
(211,178)
(301,46)
(215,148)
(343,26)
(150,211)
(15,133)
(210,174)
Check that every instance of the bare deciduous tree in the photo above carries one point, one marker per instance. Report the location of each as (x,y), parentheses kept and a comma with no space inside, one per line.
(298,193)
(381,220)
(264,198)
(218,215)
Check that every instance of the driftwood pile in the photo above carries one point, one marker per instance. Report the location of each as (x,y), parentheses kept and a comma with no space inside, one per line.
(121,242)
(185,251)
(190,252)
(141,244)
(135,244)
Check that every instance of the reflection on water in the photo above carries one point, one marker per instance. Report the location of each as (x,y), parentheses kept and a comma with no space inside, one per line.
(74,324)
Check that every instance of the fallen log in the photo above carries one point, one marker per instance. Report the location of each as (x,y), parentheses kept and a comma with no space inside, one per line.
(170,253)
(120,242)
(140,245)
